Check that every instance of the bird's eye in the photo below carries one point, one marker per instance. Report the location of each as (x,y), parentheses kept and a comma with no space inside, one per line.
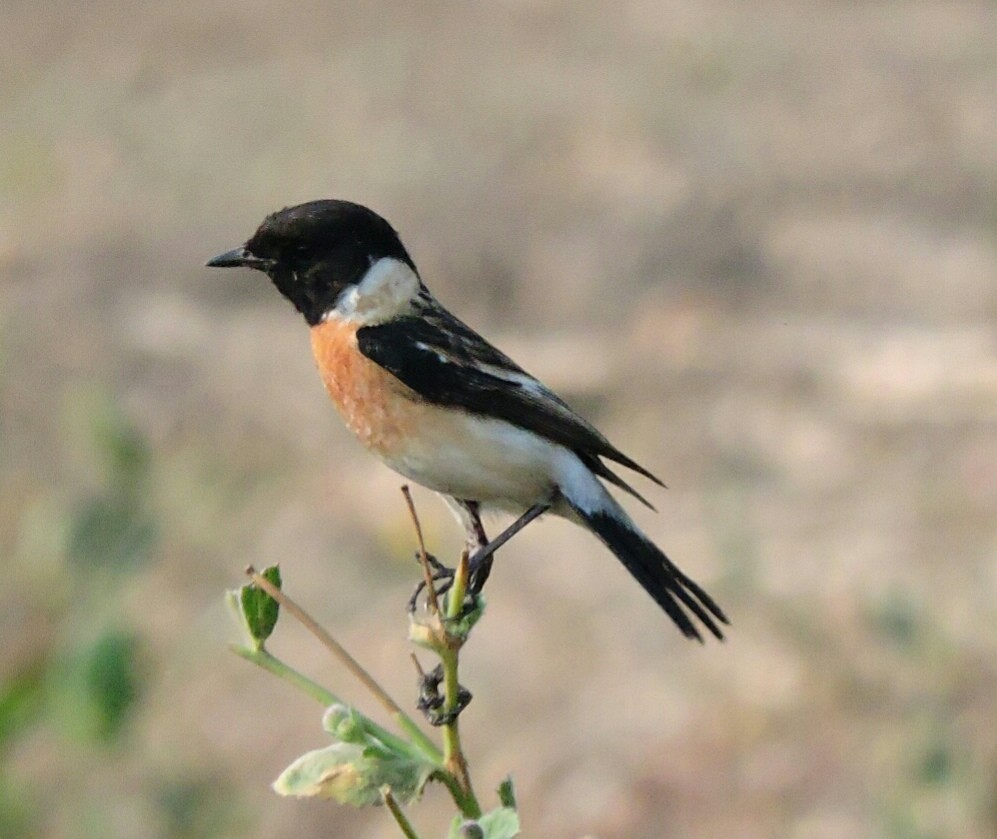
(302,253)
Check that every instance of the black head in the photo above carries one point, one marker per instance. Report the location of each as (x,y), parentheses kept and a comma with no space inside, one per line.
(313,251)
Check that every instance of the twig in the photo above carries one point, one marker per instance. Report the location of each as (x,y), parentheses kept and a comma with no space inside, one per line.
(401,718)
(392,804)
(418,667)
(453,753)
(431,599)
(272,664)
(446,644)
(263,659)
(455,599)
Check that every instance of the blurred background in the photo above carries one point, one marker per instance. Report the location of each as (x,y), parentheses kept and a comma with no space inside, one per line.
(755,243)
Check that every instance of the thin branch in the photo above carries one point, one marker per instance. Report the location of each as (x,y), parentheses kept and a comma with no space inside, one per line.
(261,658)
(447,646)
(431,599)
(453,752)
(392,804)
(272,664)
(455,597)
(350,663)
(330,643)
(418,667)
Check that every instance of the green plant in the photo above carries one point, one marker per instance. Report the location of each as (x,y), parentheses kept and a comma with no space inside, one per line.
(366,764)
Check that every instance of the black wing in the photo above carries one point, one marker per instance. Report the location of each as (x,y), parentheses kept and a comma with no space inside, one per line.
(448,363)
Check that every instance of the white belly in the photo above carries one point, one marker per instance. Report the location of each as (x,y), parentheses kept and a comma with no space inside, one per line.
(481,460)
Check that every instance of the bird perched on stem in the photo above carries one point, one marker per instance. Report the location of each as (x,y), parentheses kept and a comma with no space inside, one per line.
(440,405)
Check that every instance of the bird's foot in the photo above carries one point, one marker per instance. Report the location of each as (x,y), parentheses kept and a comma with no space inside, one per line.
(442,578)
(440,575)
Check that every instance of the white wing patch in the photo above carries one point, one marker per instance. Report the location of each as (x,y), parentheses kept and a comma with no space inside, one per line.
(441,357)
(524,380)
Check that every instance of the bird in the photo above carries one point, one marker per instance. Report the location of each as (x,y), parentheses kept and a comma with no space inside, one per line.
(440,405)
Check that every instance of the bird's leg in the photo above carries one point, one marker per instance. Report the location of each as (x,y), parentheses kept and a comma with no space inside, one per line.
(442,578)
(475,530)
(477,540)
(480,562)
(469,513)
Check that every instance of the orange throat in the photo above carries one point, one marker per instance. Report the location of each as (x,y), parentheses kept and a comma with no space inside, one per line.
(378,408)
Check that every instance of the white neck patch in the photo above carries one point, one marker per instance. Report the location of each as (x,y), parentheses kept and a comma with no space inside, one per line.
(386,291)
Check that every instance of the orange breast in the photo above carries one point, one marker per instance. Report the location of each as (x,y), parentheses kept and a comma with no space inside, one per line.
(375,405)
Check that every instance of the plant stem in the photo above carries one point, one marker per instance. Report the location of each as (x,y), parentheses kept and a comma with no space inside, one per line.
(325,697)
(263,659)
(431,598)
(402,720)
(455,598)
(453,754)
(396,811)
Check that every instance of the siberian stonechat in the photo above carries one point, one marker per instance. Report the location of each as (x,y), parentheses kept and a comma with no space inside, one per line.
(443,407)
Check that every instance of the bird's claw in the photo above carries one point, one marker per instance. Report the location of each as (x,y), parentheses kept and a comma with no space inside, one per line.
(441,577)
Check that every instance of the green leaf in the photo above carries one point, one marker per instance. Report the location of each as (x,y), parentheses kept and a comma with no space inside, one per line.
(462,626)
(502,823)
(21,698)
(506,793)
(259,609)
(352,774)
(96,689)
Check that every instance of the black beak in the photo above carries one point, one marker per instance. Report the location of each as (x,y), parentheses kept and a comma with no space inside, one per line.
(238,257)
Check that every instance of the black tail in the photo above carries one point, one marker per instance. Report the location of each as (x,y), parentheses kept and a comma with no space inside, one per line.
(670,588)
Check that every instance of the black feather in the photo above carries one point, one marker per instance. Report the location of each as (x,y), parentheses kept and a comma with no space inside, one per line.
(447,363)
(671,589)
